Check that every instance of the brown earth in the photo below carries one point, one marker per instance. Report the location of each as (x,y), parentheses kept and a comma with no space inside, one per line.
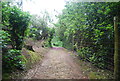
(58,63)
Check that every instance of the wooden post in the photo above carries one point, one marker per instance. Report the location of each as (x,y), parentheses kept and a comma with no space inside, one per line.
(116,48)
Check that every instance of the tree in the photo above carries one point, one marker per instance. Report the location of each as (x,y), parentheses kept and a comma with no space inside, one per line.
(15,23)
(116,50)
(88,27)
(51,35)
(40,26)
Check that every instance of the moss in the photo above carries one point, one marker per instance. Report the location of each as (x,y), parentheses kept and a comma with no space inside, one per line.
(24,59)
(6,76)
(34,57)
(30,57)
(95,75)
(93,72)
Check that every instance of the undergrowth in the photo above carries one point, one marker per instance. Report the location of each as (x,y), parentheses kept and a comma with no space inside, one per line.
(29,58)
(93,72)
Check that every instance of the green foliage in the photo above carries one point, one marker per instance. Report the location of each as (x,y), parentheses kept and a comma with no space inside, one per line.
(5,40)
(15,22)
(14,25)
(50,35)
(48,41)
(39,26)
(56,42)
(90,26)
(85,52)
(12,60)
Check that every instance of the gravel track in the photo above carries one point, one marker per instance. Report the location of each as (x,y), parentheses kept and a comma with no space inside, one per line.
(56,64)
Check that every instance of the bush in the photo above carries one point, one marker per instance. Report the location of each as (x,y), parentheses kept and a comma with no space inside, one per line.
(85,53)
(12,60)
(98,58)
(15,23)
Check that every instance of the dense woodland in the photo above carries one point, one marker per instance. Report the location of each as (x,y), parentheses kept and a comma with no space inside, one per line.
(86,28)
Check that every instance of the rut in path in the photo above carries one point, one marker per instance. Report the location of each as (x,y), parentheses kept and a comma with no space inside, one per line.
(57,64)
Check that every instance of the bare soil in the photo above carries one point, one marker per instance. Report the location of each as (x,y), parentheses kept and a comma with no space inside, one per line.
(58,63)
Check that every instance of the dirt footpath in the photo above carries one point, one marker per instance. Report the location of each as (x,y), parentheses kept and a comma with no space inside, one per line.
(57,64)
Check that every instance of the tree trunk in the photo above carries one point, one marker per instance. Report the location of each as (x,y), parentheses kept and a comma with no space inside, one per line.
(116,51)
